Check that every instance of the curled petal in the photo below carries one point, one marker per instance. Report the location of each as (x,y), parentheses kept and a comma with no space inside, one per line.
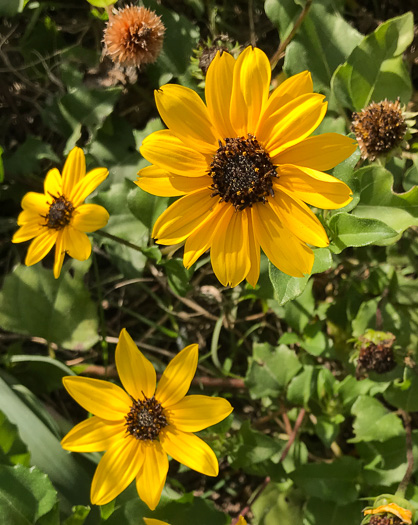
(87,185)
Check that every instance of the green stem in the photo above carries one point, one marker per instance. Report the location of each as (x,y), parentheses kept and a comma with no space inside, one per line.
(119,240)
(103,342)
(403,485)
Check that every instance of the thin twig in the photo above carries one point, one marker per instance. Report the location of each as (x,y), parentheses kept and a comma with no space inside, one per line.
(283,45)
(403,485)
(119,240)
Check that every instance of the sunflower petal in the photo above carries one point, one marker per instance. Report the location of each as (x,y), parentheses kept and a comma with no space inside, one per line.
(218,90)
(89,218)
(116,470)
(28,231)
(40,246)
(321,152)
(251,84)
(157,181)
(185,114)
(101,398)
(183,217)
(229,251)
(314,187)
(87,185)
(27,215)
(76,244)
(135,371)
(152,521)
(73,171)
(93,435)
(292,123)
(168,152)
(59,254)
(151,480)
(284,249)
(299,219)
(254,252)
(53,183)
(176,379)
(291,88)
(37,202)
(201,239)
(188,449)
(194,413)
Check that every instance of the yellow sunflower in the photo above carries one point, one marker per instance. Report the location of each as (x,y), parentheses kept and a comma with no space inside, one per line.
(246,166)
(152,521)
(139,427)
(58,216)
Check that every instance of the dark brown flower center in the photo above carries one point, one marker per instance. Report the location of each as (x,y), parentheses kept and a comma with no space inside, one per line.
(60,213)
(242,172)
(145,419)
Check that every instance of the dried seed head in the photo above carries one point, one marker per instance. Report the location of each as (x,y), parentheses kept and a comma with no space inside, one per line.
(385,520)
(379,128)
(376,352)
(134,36)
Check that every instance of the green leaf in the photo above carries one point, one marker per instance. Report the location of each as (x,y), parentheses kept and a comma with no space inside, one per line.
(276,506)
(12,448)
(178,276)
(375,69)
(318,513)
(310,49)
(26,494)
(373,422)
(28,156)
(287,288)
(78,516)
(1,165)
(378,201)
(72,481)
(401,397)
(270,370)
(146,207)
(34,303)
(301,387)
(101,3)
(349,230)
(334,481)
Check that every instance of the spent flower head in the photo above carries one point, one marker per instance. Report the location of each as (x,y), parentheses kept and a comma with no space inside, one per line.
(59,217)
(140,425)
(245,166)
(133,36)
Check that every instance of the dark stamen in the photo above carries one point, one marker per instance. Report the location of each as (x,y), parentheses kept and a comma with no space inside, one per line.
(145,419)
(60,213)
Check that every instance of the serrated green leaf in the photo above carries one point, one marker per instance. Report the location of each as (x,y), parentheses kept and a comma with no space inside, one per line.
(375,69)
(287,288)
(270,370)
(373,422)
(33,302)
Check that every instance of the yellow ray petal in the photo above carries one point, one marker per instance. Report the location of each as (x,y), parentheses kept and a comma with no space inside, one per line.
(59,254)
(254,251)
(89,218)
(116,470)
(31,216)
(282,248)
(392,508)
(135,371)
(188,449)
(157,181)
(229,252)
(241,521)
(168,152)
(151,479)
(37,202)
(40,246)
(94,435)
(292,123)
(321,152)
(152,521)
(183,217)
(299,219)
(218,90)
(194,413)
(201,240)
(53,183)
(176,379)
(101,398)
(28,231)
(76,243)
(314,187)
(185,114)
(250,90)
(291,88)
(87,185)
(74,170)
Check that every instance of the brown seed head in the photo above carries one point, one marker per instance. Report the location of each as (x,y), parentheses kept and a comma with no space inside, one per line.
(134,36)
(385,520)
(376,352)
(379,128)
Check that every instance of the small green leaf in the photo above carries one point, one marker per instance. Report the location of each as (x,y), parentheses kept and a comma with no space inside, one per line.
(101,3)
(301,387)
(78,516)
(34,303)
(12,448)
(317,512)
(399,397)
(373,422)
(270,370)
